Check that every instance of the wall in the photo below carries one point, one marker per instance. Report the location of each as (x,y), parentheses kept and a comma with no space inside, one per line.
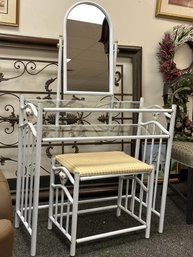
(134,23)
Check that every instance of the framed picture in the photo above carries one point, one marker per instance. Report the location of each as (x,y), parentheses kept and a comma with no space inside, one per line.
(9,12)
(175,9)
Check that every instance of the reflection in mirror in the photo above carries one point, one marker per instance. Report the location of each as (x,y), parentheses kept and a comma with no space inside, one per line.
(88,50)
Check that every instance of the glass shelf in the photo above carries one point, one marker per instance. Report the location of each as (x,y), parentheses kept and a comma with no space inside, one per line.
(104,104)
(116,131)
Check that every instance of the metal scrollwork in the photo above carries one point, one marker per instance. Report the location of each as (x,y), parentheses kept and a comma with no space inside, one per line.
(2,77)
(26,66)
(47,84)
(48,153)
(118,77)
(31,67)
(11,119)
(4,159)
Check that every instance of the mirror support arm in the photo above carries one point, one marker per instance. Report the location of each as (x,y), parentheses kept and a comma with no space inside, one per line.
(115,47)
(59,84)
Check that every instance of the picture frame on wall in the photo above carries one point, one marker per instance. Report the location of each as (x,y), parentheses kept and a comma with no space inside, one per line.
(175,9)
(9,12)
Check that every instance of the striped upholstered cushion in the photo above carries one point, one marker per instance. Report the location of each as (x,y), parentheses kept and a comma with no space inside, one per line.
(102,163)
(183,152)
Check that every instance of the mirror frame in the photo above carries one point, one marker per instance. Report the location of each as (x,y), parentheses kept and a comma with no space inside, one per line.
(63,54)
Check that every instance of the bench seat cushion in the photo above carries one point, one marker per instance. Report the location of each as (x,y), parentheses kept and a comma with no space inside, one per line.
(102,163)
(183,152)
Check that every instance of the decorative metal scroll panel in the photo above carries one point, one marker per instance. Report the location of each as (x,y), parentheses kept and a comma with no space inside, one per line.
(37,78)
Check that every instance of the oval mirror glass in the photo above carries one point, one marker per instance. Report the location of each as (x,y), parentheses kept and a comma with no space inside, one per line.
(88,50)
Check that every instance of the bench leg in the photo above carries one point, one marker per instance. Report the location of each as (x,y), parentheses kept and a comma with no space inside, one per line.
(74,215)
(189,206)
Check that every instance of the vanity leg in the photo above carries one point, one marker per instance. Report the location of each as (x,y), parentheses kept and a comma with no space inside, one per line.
(74,215)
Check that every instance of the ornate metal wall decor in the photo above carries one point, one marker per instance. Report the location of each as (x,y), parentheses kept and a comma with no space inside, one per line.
(37,78)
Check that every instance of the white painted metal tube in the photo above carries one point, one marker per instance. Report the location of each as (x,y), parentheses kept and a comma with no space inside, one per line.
(89,138)
(132,214)
(90,210)
(166,173)
(19,164)
(74,215)
(89,109)
(149,204)
(102,199)
(67,217)
(56,186)
(108,234)
(31,126)
(29,230)
(104,176)
(31,107)
(59,83)
(119,199)
(66,172)
(61,228)
(36,182)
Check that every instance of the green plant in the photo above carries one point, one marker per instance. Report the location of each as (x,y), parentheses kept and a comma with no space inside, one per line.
(179,90)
